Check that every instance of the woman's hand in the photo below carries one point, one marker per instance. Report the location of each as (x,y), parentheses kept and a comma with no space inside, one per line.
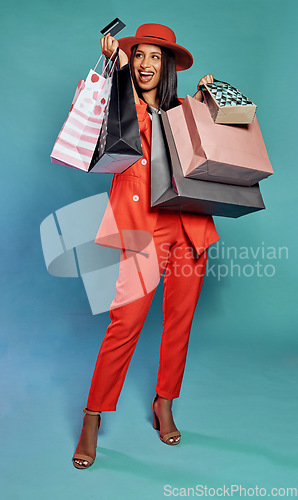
(204,80)
(108,46)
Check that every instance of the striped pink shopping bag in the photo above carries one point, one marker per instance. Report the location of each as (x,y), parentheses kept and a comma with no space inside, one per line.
(78,137)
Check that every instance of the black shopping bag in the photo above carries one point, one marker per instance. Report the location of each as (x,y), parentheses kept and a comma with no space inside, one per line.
(119,143)
(171,191)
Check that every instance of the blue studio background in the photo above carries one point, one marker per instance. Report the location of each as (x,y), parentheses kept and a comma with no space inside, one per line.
(238,407)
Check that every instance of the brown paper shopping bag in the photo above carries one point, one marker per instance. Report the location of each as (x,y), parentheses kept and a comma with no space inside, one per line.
(233,154)
(171,191)
(227,104)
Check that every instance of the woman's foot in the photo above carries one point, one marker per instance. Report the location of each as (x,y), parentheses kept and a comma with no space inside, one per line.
(86,450)
(163,420)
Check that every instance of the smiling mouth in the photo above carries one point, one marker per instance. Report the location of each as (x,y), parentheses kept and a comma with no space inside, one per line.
(146,76)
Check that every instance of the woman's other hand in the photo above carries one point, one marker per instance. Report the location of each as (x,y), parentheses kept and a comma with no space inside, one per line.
(204,80)
(108,46)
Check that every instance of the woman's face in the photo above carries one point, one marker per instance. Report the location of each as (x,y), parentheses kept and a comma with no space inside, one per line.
(147,66)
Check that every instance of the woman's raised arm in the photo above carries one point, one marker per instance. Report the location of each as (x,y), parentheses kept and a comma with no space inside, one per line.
(108,46)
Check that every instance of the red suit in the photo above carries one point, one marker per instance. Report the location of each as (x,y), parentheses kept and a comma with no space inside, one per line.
(180,242)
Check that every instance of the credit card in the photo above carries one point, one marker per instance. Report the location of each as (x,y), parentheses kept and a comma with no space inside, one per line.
(114,27)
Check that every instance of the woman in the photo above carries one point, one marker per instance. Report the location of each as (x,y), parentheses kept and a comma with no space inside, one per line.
(176,241)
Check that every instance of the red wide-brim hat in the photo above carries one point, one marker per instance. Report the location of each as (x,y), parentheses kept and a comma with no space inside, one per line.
(157,34)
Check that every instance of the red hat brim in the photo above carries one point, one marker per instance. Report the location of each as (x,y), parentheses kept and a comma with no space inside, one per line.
(183,58)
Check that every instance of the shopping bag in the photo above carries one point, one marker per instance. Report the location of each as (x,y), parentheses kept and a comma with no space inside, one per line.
(78,137)
(119,144)
(171,191)
(80,86)
(233,154)
(227,104)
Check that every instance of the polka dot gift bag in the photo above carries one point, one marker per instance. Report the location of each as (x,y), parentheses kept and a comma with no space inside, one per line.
(78,137)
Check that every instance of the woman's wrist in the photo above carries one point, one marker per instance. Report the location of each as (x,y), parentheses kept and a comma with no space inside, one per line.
(123,59)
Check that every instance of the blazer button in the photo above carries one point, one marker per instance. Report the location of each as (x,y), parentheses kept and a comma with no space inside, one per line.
(135,197)
(144,161)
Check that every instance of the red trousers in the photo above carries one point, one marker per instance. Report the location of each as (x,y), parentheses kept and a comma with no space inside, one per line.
(183,279)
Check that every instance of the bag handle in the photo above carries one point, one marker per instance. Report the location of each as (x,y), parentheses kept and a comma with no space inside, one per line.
(107,61)
(221,81)
(201,87)
(116,61)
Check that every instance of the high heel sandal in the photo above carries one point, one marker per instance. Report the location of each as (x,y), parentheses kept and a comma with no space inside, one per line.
(86,458)
(156,425)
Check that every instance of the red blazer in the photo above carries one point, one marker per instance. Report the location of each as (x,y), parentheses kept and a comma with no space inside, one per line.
(128,222)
